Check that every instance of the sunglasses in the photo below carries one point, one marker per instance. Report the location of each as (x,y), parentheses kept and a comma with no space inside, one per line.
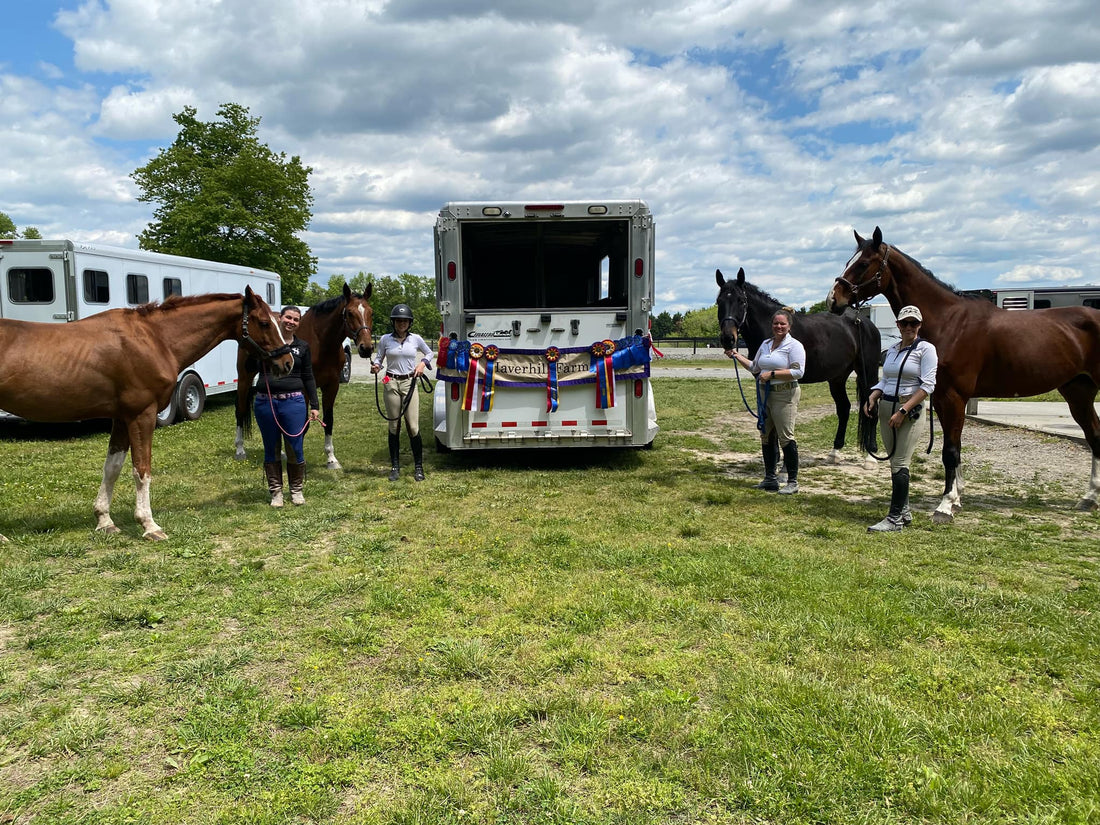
(909,322)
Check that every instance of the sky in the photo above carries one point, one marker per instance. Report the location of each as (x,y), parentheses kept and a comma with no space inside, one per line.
(761,133)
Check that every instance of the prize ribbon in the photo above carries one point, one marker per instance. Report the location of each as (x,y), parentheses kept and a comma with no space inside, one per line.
(473,375)
(602,351)
(491,353)
(552,356)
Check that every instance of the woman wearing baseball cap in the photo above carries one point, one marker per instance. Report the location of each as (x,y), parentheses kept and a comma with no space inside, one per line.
(908,378)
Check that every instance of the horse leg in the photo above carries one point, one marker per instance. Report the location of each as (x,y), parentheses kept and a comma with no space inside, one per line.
(141,456)
(117,448)
(838,389)
(1080,394)
(328,399)
(243,412)
(950,409)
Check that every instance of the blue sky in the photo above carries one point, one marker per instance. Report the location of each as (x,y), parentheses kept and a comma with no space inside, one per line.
(761,132)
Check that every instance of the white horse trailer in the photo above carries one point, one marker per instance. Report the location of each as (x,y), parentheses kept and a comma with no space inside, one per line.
(545,324)
(57,281)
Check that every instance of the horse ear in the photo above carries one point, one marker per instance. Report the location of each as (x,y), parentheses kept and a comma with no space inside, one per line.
(248,293)
(859,239)
(367,291)
(720,278)
(347,291)
(877,237)
(741,276)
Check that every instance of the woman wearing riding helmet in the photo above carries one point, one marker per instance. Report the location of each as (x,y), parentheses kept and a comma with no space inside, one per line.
(406,356)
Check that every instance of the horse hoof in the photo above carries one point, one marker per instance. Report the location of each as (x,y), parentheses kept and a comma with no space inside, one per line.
(1088,505)
(155,535)
(108,529)
(3,537)
(333,464)
(239,455)
(940,517)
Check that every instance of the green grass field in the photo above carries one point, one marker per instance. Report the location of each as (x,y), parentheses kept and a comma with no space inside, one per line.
(575,637)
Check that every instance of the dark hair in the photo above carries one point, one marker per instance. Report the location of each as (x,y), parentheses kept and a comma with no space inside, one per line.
(289,307)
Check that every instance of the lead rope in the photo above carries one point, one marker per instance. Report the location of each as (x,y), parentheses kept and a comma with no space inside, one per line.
(425,384)
(278,423)
(894,408)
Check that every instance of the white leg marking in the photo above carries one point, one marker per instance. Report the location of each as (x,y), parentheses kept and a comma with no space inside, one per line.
(238,445)
(834,456)
(330,456)
(1091,501)
(143,510)
(111,468)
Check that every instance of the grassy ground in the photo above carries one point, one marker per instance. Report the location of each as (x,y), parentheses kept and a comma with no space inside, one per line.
(596,637)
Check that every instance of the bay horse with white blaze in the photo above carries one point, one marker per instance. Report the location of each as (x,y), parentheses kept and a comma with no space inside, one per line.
(122,364)
(984,351)
(324,327)
(835,348)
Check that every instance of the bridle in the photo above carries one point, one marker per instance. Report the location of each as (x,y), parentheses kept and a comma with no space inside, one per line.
(349,323)
(737,324)
(248,339)
(874,283)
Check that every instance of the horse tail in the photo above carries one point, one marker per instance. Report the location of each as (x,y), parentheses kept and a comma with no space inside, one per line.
(870,344)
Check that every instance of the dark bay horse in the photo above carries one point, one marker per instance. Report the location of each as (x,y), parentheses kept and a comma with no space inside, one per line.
(984,351)
(835,347)
(324,327)
(122,364)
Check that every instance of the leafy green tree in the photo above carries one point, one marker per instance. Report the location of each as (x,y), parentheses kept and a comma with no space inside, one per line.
(415,290)
(663,326)
(7,226)
(701,323)
(820,306)
(224,196)
(32,233)
(678,323)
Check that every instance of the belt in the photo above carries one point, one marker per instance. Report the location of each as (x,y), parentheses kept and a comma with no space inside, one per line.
(279,396)
(783,385)
(400,376)
(894,398)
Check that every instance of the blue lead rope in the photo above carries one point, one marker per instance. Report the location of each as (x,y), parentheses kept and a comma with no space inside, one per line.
(762,390)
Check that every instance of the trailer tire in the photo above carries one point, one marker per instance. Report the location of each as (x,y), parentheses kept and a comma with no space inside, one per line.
(167,416)
(345,368)
(440,447)
(191,397)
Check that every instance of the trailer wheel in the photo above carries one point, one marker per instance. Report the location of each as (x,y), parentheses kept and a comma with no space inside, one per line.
(167,416)
(440,447)
(191,397)
(345,368)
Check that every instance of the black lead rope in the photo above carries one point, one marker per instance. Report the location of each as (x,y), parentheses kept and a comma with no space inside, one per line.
(894,409)
(425,384)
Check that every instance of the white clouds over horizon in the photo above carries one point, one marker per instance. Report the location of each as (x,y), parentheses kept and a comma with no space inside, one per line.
(761,133)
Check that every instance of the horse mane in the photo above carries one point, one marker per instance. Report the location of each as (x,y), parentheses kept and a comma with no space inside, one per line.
(329,305)
(177,301)
(927,272)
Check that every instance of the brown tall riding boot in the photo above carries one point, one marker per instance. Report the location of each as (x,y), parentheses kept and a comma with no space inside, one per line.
(296,476)
(273,470)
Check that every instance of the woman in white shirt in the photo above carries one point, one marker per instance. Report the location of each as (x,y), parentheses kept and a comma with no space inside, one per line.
(407,355)
(908,378)
(779,363)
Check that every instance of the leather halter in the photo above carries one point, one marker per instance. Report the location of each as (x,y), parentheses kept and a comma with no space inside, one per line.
(248,339)
(355,334)
(876,282)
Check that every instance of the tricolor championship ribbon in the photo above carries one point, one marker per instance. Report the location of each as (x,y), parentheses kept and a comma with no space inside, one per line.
(552,356)
(492,352)
(473,375)
(602,352)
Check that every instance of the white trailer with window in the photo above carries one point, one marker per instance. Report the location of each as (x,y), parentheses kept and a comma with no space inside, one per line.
(57,281)
(545,324)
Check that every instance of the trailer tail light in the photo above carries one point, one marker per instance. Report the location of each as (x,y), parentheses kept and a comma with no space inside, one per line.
(452,270)
(454,392)
(637,389)
(544,207)
(639,268)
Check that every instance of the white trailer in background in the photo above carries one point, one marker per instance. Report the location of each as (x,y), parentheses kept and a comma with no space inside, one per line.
(533,296)
(57,281)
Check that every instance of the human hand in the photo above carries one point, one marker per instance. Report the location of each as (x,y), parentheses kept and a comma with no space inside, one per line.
(374,368)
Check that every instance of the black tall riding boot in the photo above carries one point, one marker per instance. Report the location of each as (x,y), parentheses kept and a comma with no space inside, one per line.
(899,500)
(790,459)
(417,444)
(395,456)
(771,458)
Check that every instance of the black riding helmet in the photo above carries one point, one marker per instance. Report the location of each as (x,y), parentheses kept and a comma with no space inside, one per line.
(401,311)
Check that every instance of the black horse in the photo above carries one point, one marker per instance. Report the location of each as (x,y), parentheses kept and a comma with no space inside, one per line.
(836,346)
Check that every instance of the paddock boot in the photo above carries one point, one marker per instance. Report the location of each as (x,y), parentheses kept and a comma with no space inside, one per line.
(395,456)
(770,483)
(790,459)
(273,470)
(899,497)
(296,476)
(417,444)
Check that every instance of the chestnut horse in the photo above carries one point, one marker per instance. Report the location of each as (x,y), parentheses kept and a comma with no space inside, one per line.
(122,364)
(984,351)
(835,348)
(324,327)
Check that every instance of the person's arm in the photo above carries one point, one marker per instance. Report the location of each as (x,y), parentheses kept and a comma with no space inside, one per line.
(309,383)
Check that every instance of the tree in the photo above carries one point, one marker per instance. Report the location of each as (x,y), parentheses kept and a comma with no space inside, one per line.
(662,326)
(415,290)
(701,323)
(223,196)
(820,306)
(7,227)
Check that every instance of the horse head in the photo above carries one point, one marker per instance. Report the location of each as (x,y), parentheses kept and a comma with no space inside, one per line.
(260,330)
(733,307)
(359,319)
(865,276)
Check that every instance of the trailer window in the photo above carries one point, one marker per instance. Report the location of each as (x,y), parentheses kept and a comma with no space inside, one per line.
(1091,302)
(1041,303)
(172,286)
(30,285)
(96,288)
(271,294)
(137,288)
(571,264)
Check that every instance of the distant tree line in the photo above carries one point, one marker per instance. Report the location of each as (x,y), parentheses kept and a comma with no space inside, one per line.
(8,229)
(417,291)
